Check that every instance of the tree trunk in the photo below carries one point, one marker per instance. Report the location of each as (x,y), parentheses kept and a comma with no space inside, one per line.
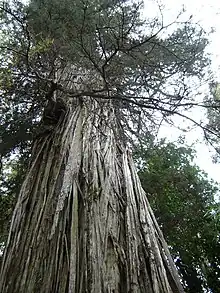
(82,222)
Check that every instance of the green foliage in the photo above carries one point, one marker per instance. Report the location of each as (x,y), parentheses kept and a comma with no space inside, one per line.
(213,116)
(109,41)
(10,182)
(144,74)
(21,93)
(42,46)
(182,198)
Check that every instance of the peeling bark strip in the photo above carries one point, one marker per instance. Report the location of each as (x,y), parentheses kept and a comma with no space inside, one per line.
(82,222)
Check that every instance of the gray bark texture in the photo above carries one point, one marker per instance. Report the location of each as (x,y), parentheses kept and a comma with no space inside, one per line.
(82,222)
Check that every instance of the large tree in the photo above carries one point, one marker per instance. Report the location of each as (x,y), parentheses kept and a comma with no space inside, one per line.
(97,74)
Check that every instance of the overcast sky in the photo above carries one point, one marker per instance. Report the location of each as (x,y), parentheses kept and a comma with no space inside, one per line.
(207,13)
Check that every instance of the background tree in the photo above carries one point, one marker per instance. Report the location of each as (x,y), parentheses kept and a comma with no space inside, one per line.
(97,74)
(183,201)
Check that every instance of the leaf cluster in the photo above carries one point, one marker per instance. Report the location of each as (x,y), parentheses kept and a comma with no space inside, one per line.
(183,200)
(110,52)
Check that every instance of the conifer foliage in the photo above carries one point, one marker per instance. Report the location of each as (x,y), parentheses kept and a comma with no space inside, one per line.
(79,79)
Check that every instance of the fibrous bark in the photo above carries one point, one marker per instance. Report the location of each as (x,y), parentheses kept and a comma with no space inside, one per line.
(82,222)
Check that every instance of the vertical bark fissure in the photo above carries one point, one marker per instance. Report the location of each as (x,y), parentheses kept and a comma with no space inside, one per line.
(82,222)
